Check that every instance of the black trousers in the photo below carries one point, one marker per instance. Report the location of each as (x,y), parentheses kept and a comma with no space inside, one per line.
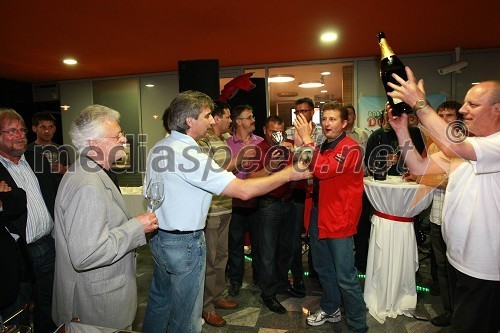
(476,304)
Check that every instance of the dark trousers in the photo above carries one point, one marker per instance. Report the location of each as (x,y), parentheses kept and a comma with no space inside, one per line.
(42,256)
(439,250)
(275,245)
(243,220)
(476,306)
(363,235)
(297,219)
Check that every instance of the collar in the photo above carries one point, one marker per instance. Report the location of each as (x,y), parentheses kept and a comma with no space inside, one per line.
(331,145)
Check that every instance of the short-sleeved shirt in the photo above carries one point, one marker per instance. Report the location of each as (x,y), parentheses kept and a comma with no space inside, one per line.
(471,210)
(190,179)
(236,145)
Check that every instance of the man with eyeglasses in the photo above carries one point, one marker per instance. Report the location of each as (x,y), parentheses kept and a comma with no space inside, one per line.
(95,235)
(303,106)
(36,222)
(44,126)
(244,216)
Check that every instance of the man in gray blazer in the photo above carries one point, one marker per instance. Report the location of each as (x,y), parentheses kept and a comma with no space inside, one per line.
(95,235)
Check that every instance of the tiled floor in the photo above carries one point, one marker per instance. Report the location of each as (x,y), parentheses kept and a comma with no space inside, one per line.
(253,316)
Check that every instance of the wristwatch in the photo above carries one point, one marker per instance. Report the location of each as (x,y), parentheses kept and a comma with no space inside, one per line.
(420,104)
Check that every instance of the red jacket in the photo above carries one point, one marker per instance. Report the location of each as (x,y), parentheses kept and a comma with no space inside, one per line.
(340,175)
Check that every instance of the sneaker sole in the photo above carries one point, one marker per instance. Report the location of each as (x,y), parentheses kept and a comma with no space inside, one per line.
(319,323)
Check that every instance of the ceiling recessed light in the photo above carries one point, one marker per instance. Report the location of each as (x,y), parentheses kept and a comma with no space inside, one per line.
(324,91)
(329,37)
(70,61)
(150,85)
(326,73)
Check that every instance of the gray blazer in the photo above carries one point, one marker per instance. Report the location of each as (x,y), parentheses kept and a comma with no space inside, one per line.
(95,259)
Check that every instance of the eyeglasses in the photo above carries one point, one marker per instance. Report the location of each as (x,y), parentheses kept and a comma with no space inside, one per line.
(247,118)
(116,137)
(302,111)
(14,131)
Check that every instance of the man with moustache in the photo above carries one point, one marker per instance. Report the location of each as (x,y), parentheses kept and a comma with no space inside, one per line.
(244,211)
(275,232)
(219,217)
(36,223)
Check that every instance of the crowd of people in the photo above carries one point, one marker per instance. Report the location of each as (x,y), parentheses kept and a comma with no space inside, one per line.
(70,240)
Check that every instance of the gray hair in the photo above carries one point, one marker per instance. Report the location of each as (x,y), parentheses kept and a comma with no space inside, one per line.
(8,116)
(187,104)
(89,124)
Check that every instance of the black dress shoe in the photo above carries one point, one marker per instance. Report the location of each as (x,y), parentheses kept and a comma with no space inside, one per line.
(292,292)
(299,286)
(442,320)
(275,306)
(234,288)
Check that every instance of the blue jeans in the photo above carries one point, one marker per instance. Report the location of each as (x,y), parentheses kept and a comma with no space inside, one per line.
(175,299)
(275,245)
(43,256)
(334,262)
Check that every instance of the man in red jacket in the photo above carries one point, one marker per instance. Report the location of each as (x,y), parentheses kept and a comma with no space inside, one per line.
(335,207)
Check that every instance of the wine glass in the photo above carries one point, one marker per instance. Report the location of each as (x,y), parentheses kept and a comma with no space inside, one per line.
(155,193)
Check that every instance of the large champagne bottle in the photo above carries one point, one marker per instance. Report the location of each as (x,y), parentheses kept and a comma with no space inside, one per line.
(389,64)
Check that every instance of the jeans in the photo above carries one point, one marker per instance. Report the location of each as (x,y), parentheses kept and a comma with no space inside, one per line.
(42,255)
(363,234)
(243,220)
(334,262)
(275,245)
(175,299)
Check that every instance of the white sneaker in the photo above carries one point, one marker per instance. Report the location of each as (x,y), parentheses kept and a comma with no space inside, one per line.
(320,317)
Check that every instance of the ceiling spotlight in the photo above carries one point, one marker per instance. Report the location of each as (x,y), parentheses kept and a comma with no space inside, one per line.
(281,78)
(150,85)
(329,37)
(70,61)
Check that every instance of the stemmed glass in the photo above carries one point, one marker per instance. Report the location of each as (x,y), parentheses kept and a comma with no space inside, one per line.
(155,193)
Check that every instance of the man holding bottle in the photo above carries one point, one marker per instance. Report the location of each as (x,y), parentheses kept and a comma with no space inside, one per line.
(470,211)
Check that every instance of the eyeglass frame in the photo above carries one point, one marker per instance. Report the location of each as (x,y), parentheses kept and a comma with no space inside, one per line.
(252,117)
(14,131)
(116,137)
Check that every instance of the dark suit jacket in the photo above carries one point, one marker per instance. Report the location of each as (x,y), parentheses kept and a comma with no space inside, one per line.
(13,255)
(13,205)
(48,185)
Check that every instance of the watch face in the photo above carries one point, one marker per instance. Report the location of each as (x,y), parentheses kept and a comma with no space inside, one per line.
(421,104)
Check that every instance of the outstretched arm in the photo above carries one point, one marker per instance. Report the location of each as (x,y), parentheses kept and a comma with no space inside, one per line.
(410,91)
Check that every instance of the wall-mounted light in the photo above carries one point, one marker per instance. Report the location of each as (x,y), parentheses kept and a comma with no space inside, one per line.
(155,116)
(65,107)
(281,78)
